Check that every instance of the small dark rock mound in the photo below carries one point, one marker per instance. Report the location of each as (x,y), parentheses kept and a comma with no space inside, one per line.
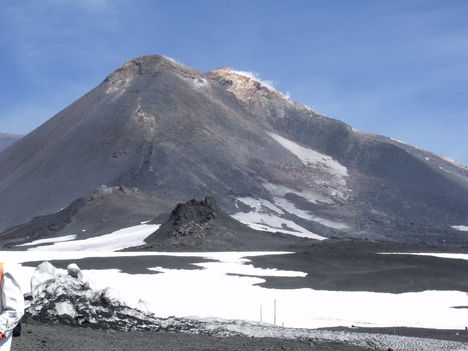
(197,219)
(203,225)
(191,218)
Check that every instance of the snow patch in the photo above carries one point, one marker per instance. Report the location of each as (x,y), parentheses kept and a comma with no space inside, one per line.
(50,240)
(104,189)
(271,223)
(118,240)
(313,158)
(199,82)
(281,191)
(463,228)
(260,205)
(65,308)
(455,256)
(289,207)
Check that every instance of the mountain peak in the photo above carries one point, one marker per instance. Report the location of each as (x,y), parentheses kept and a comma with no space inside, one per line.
(145,67)
(176,134)
(247,86)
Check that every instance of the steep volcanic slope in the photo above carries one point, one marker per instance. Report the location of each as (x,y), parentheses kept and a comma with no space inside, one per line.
(177,134)
(7,139)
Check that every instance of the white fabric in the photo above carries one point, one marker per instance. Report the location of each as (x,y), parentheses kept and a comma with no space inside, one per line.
(11,306)
(5,344)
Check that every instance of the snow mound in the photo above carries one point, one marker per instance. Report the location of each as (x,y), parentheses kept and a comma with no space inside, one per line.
(66,299)
(463,228)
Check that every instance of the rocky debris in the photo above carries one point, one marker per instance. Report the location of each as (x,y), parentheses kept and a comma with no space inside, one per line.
(45,337)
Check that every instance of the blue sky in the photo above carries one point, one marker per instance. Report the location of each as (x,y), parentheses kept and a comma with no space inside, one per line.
(397,68)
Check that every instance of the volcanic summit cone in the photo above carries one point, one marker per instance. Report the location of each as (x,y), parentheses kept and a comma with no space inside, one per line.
(177,134)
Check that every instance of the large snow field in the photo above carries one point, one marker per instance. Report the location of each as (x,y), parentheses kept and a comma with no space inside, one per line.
(227,289)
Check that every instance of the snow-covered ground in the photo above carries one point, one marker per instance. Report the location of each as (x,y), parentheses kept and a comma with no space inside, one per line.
(118,240)
(51,240)
(457,256)
(272,223)
(311,157)
(268,216)
(228,289)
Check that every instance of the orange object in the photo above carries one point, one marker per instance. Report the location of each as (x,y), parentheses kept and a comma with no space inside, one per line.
(2,336)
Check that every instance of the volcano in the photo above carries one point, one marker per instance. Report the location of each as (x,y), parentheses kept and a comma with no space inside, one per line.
(175,134)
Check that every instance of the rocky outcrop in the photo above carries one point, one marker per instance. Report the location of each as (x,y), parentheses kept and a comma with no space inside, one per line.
(202,225)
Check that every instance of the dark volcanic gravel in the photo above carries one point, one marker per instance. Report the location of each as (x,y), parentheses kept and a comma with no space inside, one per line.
(37,337)
(131,265)
(437,334)
(357,265)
